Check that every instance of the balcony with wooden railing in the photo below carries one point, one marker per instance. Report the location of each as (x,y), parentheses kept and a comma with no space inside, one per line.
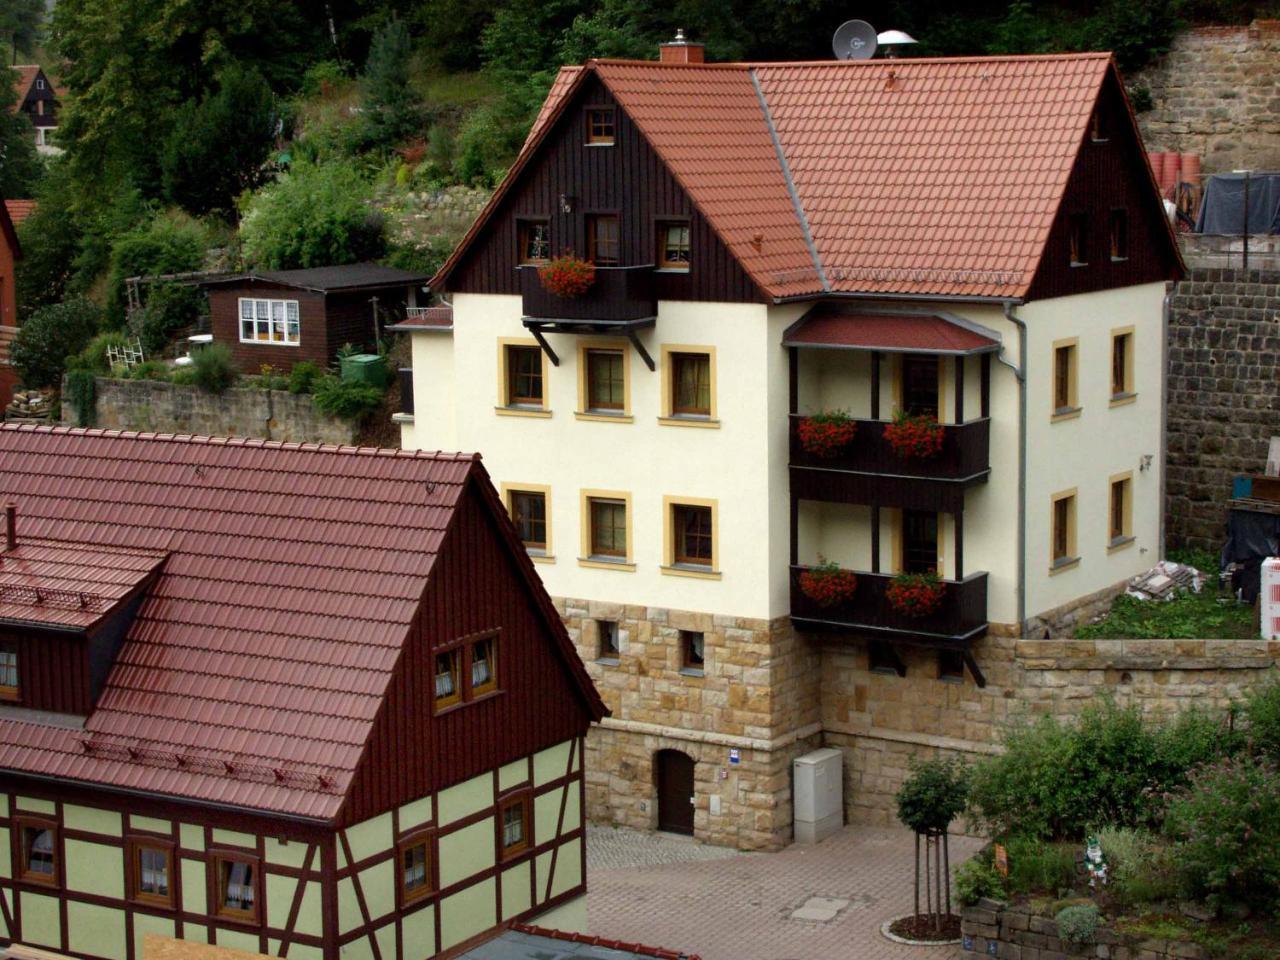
(618,294)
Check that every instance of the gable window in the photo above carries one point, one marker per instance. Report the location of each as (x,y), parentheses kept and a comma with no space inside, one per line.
(37,850)
(269,321)
(1121,511)
(466,670)
(1063,531)
(528,509)
(690,384)
(673,246)
(151,864)
(524,376)
(603,240)
(237,891)
(1122,365)
(39,83)
(448,682)
(1078,236)
(1065,377)
(1098,126)
(416,879)
(514,827)
(1118,230)
(535,241)
(608,646)
(606,381)
(484,665)
(600,126)
(9,688)
(693,651)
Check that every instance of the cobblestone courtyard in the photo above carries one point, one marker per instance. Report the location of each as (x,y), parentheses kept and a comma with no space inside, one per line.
(803,903)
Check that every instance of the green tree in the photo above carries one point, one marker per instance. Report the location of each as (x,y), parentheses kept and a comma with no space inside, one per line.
(50,239)
(391,109)
(20,166)
(168,244)
(49,337)
(218,148)
(21,23)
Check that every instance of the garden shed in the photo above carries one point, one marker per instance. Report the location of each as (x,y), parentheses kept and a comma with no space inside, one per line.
(280,317)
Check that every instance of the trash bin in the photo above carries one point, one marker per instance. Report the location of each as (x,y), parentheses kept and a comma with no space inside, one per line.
(365,368)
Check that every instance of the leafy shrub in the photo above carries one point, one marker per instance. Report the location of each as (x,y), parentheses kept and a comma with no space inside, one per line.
(350,401)
(934,794)
(1035,864)
(150,370)
(170,307)
(1192,738)
(303,376)
(213,369)
(170,243)
(1140,866)
(82,394)
(978,878)
(1140,97)
(51,336)
(94,355)
(1262,717)
(316,215)
(1226,826)
(1078,924)
(321,79)
(183,376)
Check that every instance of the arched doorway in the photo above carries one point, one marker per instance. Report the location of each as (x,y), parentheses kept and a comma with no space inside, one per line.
(675,791)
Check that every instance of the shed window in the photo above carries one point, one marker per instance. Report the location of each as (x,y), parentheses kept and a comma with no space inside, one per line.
(513,825)
(237,888)
(603,240)
(535,241)
(38,852)
(673,246)
(269,321)
(152,868)
(9,689)
(600,126)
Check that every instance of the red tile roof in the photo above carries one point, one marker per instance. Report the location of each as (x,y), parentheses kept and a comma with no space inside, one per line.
(920,177)
(891,332)
(19,210)
(257,661)
(26,76)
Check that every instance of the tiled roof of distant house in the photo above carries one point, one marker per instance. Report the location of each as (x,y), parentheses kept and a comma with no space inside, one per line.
(19,210)
(345,278)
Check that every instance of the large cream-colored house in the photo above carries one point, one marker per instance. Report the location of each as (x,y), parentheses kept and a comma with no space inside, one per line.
(973,242)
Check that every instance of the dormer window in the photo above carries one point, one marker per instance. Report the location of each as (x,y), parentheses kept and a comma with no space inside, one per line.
(535,241)
(673,246)
(9,688)
(600,128)
(1078,234)
(603,241)
(1119,230)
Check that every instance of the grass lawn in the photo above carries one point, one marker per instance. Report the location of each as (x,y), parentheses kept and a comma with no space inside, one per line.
(1207,615)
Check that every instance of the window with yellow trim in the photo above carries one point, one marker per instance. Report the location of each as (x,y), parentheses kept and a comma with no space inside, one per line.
(1120,512)
(529,514)
(691,527)
(1063,530)
(524,386)
(1122,364)
(1065,378)
(606,386)
(608,520)
(690,384)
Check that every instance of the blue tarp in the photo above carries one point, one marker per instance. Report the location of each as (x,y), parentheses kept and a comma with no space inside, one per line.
(1222,210)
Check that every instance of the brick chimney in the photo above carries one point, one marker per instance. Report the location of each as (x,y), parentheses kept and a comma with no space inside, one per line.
(681,50)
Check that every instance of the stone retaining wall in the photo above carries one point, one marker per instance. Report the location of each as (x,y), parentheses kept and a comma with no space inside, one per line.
(155,407)
(1017,932)
(1223,395)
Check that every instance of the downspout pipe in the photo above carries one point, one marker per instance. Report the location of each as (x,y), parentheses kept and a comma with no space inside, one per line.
(1166,316)
(1020,373)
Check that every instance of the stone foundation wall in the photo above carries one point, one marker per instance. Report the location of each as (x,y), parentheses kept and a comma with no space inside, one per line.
(880,719)
(1223,395)
(151,406)
(1217,93)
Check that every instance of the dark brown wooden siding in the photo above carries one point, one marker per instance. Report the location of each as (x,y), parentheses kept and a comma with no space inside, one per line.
(627,179)
(349,316)
(224,318)
(1107,176)
(53,670)
(476,586)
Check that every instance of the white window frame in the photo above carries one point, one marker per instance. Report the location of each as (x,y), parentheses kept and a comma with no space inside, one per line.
(268,317)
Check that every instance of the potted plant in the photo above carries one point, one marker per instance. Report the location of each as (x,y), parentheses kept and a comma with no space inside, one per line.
(827,584)
(826,433)
(918,437)
(916,594)
(567,275)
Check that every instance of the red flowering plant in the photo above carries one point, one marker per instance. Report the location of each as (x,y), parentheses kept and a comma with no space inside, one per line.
(567,275)
(827,584)
(916,594)
(827,433)
(914,436)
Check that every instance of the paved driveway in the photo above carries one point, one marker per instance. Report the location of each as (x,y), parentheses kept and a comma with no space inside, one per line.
(674,893)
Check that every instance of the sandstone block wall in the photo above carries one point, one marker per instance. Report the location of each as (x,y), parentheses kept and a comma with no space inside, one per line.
(1223,395)
(151,406)
(1217,93)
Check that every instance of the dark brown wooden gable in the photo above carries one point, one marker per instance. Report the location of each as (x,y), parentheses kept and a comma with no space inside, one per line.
(628,179)
(475,586)
(1107,176)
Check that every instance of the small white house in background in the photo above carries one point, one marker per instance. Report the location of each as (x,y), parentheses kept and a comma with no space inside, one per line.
(976,242)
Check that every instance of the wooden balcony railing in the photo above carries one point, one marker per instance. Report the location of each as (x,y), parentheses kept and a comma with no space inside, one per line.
(618,293)
(966,452)
(962,616)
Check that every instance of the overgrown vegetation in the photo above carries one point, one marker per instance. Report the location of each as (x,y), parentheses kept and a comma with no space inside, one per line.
(49,337)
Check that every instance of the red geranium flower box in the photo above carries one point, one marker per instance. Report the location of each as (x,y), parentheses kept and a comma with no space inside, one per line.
(567,276)
(826,434)
(914,437)
(827,585)
(916,594)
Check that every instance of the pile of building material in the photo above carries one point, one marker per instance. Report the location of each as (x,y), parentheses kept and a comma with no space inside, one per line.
(29,406)
(1165,581)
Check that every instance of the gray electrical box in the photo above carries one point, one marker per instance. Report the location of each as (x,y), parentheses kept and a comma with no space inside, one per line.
(819,794)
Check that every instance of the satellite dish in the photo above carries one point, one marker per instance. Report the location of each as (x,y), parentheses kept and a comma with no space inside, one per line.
(854,40)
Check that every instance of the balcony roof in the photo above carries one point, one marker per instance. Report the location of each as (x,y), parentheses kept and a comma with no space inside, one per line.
(826,328)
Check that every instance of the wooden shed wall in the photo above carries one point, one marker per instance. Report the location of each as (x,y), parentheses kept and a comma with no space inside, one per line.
(224,317)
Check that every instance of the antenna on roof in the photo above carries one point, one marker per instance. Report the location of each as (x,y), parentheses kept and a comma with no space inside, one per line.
(854,40)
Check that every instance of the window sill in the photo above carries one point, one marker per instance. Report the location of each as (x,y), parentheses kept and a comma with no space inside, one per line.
(402,418)
(686,421)
(542,557)
(1067,563)
(698,573)
(1119,259)
(1078,263)
(950,679)
(678,271)
(522,412)
(1119,543)
(623,565)
(603,417)
(1067,414)
(608,661)
(692,672)
(1123,399)
(600,143)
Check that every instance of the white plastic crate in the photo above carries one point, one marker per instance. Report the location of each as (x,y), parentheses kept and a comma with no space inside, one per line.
(1271,599)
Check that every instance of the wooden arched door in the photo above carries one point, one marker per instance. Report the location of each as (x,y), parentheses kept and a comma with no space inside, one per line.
(675,791)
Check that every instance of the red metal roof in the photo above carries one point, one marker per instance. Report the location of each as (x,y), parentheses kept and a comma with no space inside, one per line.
(19,210)
(900,333)
(923,177)
(621,946)
(254,668)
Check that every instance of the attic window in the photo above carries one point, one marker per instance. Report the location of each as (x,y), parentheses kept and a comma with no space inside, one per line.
(1098,127)
(9,689)
(1119,230)
(535,241)
(600,128)
(1078,233)
(39,83)
(466,671)
(269,322)
(673,246)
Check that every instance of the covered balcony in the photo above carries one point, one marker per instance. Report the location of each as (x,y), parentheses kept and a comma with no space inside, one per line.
(617,294)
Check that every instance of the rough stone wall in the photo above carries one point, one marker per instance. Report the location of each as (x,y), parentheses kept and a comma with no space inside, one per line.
(880,720)
(151,406)
(757,694)
(1217,93)
(1223,395)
